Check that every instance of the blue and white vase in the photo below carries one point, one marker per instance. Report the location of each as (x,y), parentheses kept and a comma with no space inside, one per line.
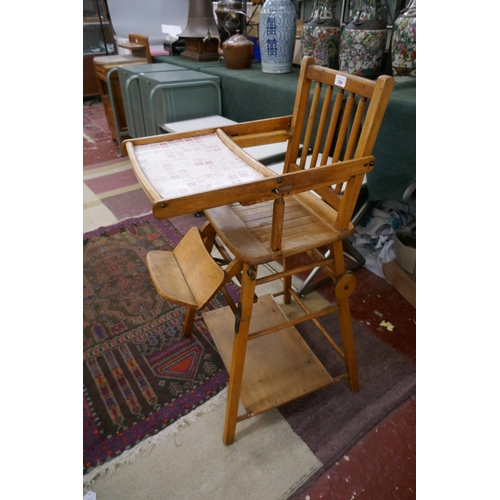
(277,34)
(363,40)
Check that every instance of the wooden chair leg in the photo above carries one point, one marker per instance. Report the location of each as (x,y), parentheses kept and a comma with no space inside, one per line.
(348,343)
(189,321)
(344,287)
(238,354)
(208,236)
(287,281)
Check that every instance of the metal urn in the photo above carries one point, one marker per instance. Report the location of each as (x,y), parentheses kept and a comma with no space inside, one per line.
(201,33)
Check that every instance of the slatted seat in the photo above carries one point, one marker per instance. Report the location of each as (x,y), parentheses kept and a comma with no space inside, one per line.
(247,231)
(257,216)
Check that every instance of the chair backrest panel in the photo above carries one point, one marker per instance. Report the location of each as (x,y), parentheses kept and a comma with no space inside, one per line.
(144,50)
(336,118)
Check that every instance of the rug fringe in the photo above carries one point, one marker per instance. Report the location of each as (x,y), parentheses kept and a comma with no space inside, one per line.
(135,216)
(86,136)
(150,443)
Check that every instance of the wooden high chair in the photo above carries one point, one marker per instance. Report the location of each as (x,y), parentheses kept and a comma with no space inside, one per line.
(256,216)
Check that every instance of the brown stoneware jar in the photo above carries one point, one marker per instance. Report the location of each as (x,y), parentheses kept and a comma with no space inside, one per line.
(238,52)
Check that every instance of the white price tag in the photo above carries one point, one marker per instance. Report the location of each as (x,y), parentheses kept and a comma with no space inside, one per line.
(90,496)
(340,80)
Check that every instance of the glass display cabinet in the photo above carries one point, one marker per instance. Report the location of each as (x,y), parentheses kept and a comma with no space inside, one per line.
(98,40)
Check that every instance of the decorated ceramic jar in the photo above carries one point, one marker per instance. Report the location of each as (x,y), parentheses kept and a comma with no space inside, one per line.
(363,40)
(404,42)
(321,34)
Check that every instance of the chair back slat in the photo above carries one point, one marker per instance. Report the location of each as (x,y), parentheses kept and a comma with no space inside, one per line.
(322,123)
(355,126)
(342,131)
(336,112)
(355,129)
(310,125)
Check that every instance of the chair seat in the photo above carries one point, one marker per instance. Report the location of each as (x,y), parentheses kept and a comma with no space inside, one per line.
(168,279)
(177,279)
(118,59)
(246,230)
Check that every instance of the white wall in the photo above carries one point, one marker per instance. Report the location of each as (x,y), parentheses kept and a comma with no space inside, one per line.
(146,17)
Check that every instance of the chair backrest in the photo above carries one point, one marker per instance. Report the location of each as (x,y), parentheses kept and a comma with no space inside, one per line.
(143,51)
(338,122)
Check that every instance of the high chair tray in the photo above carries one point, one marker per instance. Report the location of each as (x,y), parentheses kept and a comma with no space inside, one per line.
(194,171)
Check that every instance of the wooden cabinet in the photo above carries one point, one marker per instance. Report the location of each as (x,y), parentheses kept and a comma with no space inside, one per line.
(89,80)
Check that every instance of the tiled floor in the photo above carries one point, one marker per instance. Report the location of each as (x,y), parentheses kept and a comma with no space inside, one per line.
(383,464)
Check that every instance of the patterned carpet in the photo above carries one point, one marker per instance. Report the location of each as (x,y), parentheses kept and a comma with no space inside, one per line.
(95,124)
(140,373)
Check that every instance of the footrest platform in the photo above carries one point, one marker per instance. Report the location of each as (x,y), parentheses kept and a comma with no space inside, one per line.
(279,367)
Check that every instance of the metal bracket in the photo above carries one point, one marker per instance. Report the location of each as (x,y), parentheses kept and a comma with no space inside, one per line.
(237,317)
(284,188)
(222,262)
(252,273)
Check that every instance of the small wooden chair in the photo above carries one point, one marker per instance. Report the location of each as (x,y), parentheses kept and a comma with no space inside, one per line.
(268,217)
(138,45)
(178,280)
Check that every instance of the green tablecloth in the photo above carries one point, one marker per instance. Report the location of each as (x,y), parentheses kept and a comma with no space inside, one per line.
(395,149)
(250,94)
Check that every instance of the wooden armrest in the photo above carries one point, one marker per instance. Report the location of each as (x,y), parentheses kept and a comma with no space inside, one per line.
(262,184)
(270,188)
(256,133)
(259,132)
(131,45)
(261,138)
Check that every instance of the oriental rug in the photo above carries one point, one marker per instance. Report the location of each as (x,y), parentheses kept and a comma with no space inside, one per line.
(95,124)
(140,374)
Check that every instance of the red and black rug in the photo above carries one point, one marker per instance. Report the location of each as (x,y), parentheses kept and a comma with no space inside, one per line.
(140,373)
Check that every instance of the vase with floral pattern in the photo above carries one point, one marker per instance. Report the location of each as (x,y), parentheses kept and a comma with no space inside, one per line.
(321,34)
(404,42)
(363,40)
(277,33)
